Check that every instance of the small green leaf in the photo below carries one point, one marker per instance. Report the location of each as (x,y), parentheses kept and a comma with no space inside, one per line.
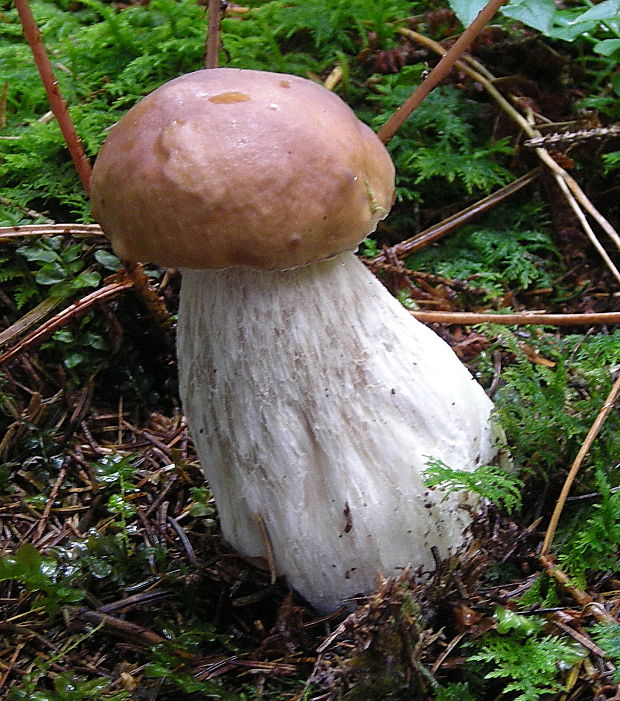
(86,279)
(118,505)
(63,336)
(73,360)
(37,255)
(570,32)
(508,620)
(51,274)
(607,47)
(466,10)
(29,559)
(69,595)
(608,9)
(488,481)
(538,14)
(200,510)
(108,260)
(99,568)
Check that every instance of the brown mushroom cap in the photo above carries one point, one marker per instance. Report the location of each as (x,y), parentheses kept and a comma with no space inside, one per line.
(228,167)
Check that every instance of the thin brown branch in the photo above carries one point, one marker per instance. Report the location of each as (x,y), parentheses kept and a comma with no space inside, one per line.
(566,183)
(604,412)
(116,627)
(14,232)
(29,319)
(33,214)
(578,136)
(191,555)
(584,599)
(469,318)
(438,231)
(134,600)
(50,502)
(579,636)
(71,312)
(57,103)
(213,34)
(440,71)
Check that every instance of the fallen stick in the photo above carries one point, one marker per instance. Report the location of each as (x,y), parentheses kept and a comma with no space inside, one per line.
(518,319)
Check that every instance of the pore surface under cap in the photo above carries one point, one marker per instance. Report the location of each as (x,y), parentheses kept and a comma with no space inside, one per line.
(228,167)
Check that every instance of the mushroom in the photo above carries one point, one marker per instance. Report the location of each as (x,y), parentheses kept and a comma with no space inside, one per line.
(313,397)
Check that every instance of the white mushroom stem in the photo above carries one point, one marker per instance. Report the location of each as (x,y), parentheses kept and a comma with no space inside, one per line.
(315,400)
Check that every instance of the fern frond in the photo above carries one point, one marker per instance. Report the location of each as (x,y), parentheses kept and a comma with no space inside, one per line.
(529,663)
(592,540)
(607,636)
(488,481)
(7,274)
(479,173)
(23,294)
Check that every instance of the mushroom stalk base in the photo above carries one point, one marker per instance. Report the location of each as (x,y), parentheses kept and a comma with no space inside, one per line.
(315,400)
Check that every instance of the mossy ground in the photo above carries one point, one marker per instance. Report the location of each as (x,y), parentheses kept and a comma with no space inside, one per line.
(114,581)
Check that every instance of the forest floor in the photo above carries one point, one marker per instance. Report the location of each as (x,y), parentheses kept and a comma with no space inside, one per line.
(115,582)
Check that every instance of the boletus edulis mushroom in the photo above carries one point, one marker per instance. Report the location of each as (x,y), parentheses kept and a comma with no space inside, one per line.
(313,397)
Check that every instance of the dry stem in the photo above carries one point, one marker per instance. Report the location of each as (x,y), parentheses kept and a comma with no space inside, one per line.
(71,312)
(578,198)
(440,71)
(50,501)
(50,229)
(438,231)
(213,35)
(584,599)
(58,105)
(518,319)
(572,473)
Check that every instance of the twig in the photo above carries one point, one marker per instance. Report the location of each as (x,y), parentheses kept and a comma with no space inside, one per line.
(29,319)
(579,195)
(596,609)
(58,105)
(134,600)
(50,229)
(9,667)
(50,502)
(191,555)
(440,71)
(213,34)
(117,627)
(475,71)
(608,405)
(438,231)
(443,656)
(573,136)
(524,318)
(33,214)
(71,312)
(577,635)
